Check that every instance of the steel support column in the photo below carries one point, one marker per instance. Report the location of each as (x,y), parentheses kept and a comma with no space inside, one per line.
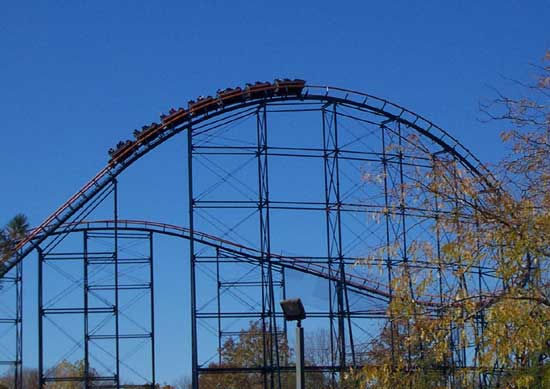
(219,305)
(140,285)
(388,258)
(335,255)
(40,319)
(11,322)
(18,373)
(152,306)
(270,336)
(117,306)
(86,319)
(192,286)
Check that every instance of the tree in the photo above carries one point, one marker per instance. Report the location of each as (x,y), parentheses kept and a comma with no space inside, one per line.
(183,383)
(398,357)
(501,220)
(245,351)
(15,230)
(30,378)
(317,353)
(17,227)
(66,369)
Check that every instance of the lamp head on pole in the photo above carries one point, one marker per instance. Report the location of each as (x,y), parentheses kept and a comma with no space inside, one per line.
(293,309)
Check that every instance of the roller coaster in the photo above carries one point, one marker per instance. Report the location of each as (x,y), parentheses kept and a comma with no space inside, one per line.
(329,198)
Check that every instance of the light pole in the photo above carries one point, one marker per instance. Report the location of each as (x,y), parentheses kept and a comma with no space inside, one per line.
(293,309)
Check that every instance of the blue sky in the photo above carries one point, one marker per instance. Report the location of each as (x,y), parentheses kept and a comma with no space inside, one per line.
(76,77)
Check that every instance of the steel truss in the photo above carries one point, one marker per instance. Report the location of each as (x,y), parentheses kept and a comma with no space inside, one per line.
(357,202)
(226,255)
(382,144)
(335,257)
(109,283)
(11,323)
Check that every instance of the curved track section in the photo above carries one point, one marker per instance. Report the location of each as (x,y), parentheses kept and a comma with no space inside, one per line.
(204,115)
(359,284)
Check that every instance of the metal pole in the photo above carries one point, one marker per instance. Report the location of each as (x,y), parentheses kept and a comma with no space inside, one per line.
(405,257)
(300,371)
(260,130)
(326,128)
(389,264)
(194,359)
(117,325)
(218,297)
(338,231)
(152,296)
(40,326)
(285,330)
(19,327)
(334,231)
(265,243)
(86,321)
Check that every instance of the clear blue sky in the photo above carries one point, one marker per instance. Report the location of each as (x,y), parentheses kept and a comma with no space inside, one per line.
(76,77)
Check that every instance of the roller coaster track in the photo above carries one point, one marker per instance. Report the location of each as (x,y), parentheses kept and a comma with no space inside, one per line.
(189,119)
(359,284)
(243,253)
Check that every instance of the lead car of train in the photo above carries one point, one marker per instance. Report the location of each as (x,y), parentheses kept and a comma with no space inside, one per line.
(203,105)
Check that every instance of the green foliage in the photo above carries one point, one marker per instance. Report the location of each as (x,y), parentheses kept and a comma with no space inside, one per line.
(15,230)
(17,227)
